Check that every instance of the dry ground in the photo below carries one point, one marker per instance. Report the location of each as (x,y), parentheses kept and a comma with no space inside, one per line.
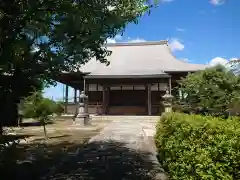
(33,156)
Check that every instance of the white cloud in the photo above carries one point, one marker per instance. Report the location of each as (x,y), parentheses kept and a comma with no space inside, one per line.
(218,60)
(176,45)
(111,40)
(180,29)
(217,2)
(222,61)
(136,40)
(234,59)
(117,38)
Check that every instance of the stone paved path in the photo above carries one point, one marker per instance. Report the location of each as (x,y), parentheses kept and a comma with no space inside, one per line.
(134,141)
(128,132)
(123,150)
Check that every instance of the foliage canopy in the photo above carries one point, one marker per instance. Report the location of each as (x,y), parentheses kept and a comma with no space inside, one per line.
(42,38)
(214,89)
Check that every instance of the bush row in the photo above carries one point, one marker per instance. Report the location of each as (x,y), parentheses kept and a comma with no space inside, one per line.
(204,111)
(34,109)
(193,147)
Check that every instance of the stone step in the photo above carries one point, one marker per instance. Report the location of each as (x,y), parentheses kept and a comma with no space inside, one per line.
(125,118)
(117,118)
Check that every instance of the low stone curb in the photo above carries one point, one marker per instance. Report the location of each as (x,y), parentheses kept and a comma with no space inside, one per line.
(157,171)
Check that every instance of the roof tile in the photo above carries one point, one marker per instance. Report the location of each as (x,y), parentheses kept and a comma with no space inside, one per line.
(142,58)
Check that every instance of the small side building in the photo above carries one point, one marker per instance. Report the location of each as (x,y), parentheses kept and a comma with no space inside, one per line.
(135,81)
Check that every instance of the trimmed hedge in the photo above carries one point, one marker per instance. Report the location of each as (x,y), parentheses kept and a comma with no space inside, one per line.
(193,147)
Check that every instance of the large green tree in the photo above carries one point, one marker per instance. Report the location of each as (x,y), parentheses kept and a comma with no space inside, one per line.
(45,37)
(41,38)
(215,89)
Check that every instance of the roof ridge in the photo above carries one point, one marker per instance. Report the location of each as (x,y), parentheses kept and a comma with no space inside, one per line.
(144,43)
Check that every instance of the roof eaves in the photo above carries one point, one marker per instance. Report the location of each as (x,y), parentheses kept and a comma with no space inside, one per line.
(127,76)
(144,43)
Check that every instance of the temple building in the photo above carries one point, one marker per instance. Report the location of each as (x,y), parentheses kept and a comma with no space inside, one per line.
(135,81)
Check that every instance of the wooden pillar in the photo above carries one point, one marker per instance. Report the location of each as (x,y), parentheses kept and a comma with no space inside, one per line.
(84,85)
(170,85)
(75,95)
(104,100)
(66,99)
(107,99)
(75,100)
(76,104)
(86,89)
(149,97)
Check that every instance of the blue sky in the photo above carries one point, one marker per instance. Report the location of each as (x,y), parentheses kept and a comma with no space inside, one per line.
(199,31)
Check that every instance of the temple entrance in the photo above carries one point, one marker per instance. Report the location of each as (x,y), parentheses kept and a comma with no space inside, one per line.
(127,102)
(125,98)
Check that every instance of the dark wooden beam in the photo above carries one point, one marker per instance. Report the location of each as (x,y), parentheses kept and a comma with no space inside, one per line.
(124,81)
(75,95)
(170,86)
(149,98)
(104,102)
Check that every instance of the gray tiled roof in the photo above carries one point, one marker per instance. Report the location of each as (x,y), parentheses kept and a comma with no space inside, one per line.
(144,58)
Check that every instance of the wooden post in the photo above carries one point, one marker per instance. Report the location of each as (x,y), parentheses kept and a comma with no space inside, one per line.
(86,89)
(170,85)
(107,99)
(75,95)
(84,85)
(75,101)
(76,104)
(66,99)
(63,99)
(104,100)
(149,99)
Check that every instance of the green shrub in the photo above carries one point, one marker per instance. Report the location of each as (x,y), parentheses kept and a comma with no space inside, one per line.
(36,105)
(40,108)
(59,108)
(193,147)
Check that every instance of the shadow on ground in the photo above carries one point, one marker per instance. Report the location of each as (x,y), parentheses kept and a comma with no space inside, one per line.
(34,123)
(103,161)
(10,138)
